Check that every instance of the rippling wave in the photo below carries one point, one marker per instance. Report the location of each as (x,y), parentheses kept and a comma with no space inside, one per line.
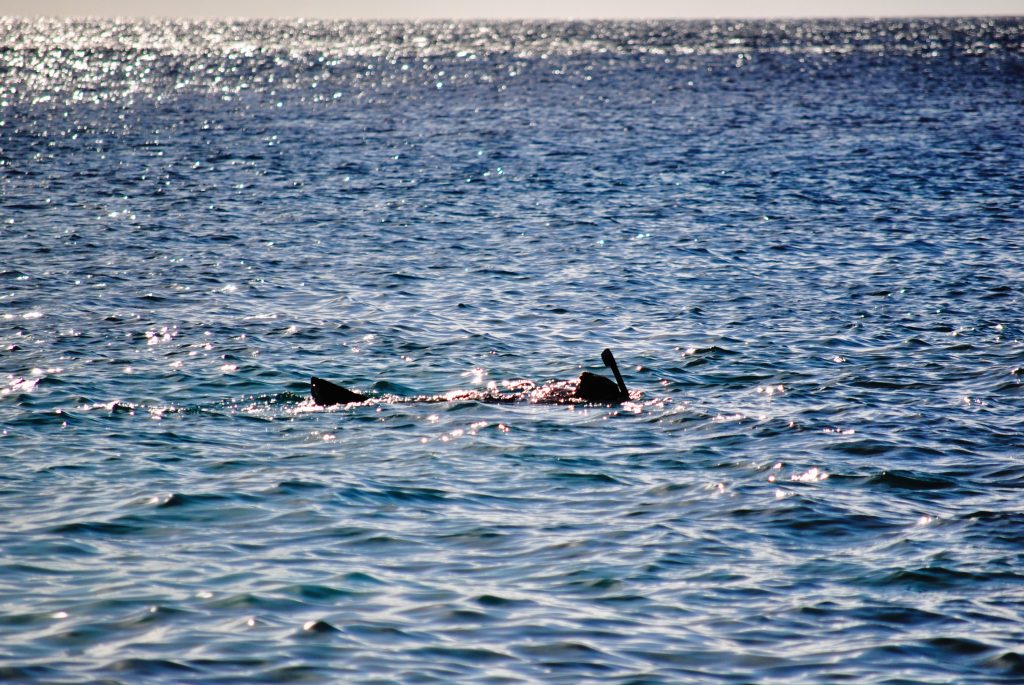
(802,240)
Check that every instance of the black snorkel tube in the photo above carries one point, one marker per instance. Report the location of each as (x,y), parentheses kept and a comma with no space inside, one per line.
(609,361)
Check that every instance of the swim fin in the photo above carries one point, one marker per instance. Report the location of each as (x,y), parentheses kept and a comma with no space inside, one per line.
(326,393)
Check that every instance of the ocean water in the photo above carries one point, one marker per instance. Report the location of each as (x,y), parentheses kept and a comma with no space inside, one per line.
(804,242)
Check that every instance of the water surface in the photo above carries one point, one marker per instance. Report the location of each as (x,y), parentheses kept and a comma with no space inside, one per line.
(803,241)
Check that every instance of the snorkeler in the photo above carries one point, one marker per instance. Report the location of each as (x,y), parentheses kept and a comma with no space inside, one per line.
(589,388)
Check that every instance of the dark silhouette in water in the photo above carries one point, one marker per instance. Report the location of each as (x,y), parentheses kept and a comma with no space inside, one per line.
(588,389)
(327,393)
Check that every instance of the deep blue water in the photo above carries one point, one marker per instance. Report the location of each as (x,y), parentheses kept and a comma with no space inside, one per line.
(804,242)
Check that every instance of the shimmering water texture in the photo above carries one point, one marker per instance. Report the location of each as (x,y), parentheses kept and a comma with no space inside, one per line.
(803,241)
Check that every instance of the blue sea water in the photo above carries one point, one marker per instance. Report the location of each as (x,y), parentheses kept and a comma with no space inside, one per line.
(804,242)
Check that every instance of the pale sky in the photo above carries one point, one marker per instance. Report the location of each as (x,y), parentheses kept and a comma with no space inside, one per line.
(519,9)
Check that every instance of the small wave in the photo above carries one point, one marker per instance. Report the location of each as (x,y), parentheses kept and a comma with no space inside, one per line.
(463,654)
(1012,663)
(384,634)
(864,447)
(496,601)
(931,578)
(578,477)
(154,614)
(97,528)
(911,480)
(393,494)
(177,499)
(959,645)
(29,674)
(310,592)
(319,627)
(292,487)
(152,668)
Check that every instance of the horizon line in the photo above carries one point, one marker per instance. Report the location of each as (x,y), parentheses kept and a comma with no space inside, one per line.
(563,19)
